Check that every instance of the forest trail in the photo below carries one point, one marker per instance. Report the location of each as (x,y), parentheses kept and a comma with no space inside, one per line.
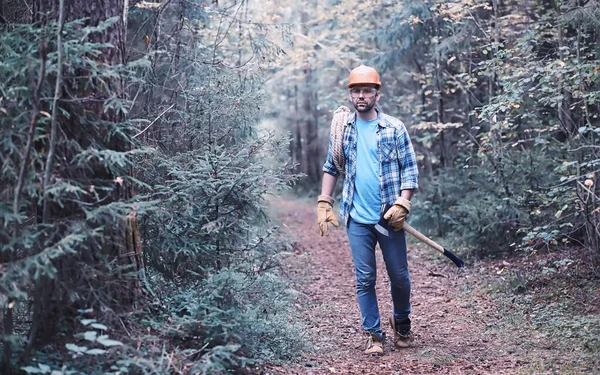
(458,328)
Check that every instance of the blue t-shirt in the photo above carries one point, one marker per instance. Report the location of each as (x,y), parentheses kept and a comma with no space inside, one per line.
(366,204)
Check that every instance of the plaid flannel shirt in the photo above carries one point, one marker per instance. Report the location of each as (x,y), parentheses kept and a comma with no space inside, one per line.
(397,163)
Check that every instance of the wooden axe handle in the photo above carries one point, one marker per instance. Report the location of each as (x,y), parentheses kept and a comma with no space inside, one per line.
(421,237)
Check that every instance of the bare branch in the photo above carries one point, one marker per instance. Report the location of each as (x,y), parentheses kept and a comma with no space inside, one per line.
(32,122)
(57,93)
(152,123)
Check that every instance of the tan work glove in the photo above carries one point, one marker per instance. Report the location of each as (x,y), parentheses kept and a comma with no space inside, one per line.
(396,215)
(325,214)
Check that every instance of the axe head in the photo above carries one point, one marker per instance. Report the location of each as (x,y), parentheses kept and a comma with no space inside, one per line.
(382,226)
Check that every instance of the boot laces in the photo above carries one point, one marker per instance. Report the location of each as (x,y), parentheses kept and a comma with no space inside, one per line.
(371,341)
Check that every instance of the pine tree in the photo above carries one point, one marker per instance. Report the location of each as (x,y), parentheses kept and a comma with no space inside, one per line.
(70,236)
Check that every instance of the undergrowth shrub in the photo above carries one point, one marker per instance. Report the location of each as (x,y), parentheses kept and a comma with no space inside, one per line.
(210,245)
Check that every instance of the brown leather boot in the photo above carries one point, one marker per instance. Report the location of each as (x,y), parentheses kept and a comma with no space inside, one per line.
(403,336)
(374,345)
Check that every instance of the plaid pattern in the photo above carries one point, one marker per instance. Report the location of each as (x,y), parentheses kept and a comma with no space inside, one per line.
(397,163)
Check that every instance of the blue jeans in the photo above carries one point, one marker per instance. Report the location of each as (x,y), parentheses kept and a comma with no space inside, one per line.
(363,238)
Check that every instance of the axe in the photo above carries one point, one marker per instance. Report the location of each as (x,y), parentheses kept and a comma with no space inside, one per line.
(382,227)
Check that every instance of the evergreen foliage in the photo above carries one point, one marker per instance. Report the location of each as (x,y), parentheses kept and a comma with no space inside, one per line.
(56,232)
(211,233)
(171,138)
(135,235)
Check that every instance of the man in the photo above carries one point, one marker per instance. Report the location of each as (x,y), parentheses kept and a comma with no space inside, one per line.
(380,169)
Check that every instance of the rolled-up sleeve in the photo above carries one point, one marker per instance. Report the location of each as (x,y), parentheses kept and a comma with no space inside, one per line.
(409,177)
(329,167)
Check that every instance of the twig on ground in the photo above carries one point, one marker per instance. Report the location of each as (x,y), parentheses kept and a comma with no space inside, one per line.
(433,274)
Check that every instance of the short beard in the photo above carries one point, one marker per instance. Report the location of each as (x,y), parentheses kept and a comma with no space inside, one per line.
(365,109)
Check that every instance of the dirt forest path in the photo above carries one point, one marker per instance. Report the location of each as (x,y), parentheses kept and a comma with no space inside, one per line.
(457,329)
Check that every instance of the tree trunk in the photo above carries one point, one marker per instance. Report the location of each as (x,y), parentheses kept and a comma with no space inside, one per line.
(439,102)
(298,149)
(96,11)
(564,111)
(308,114)
(495,124)
(444,160)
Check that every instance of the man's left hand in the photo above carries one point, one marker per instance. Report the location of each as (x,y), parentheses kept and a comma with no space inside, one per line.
(325,214)
(396,215)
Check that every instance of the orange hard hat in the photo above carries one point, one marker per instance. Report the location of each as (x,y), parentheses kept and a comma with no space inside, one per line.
(364,75)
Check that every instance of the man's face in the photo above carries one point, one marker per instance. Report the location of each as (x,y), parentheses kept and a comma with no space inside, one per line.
(364,97)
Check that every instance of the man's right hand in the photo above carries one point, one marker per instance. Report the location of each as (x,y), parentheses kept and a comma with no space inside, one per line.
(325,214)
(396,215)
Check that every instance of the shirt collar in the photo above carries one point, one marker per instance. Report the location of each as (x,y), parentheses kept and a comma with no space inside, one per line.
(380,119)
